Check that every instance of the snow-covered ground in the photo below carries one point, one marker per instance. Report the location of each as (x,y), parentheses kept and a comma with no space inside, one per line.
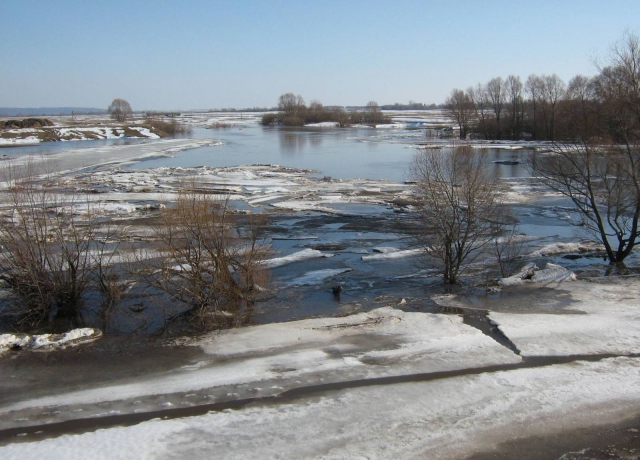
(469,407)
(605,319)
(442,419)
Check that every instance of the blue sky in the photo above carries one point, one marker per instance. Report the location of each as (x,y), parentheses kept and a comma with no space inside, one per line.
(193,54)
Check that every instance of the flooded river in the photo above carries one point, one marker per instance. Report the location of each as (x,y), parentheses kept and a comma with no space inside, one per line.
(338,153)
(356,230)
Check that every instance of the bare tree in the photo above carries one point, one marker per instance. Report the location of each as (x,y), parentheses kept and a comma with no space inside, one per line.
(507,249)
(553,90)
(316,111)
(618,89)
(582,112)
(496,94)
(460,107)
(603,181)
(206,263)
(514,94)
(120,110)
(605,189)
(460,211)
(290,104)
(533,87)
(480,101)
(373,113)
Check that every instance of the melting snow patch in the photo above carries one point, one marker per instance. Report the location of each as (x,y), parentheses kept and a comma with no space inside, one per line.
(146,132)
(608,323)
(323,124)
(15,141)
(48,341)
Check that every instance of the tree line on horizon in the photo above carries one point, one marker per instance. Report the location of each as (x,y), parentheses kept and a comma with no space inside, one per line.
(545,108)
(292,111)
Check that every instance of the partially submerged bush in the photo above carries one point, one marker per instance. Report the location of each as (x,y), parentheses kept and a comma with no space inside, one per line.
(49,258)
(167,128)
(207,265)
(293,112)
(269,119)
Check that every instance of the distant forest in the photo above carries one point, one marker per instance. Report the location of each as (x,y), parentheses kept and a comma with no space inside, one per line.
(544,107)
(30,112)
(411,106)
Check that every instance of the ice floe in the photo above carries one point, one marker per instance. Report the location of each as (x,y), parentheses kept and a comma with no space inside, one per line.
(305,254)
(564,248)
(530,273)
(392,253)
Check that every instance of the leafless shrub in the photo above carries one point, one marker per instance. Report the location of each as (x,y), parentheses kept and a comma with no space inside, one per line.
(508,249)
(167,128)
(47,259)
(204,262)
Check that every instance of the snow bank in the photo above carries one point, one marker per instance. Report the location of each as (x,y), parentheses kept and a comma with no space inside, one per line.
(72,338)
(323,124)
(307,205)
(74,159)
(15,141)
(146,132)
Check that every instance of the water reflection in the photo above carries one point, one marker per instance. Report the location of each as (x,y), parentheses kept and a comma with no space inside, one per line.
(292,143)
(339,153)
(316,140)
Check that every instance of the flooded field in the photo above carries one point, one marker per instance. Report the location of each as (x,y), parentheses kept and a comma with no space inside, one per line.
(337,219)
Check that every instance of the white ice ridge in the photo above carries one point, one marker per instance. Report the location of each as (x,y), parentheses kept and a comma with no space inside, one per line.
(318,276)
(392,253)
